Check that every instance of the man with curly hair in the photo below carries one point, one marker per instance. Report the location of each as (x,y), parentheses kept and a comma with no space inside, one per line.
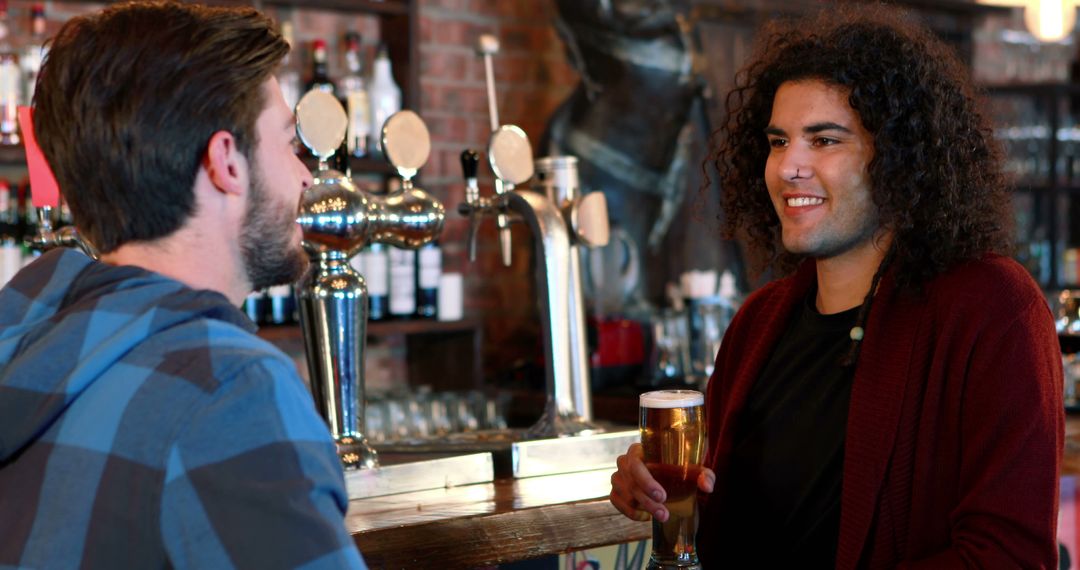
(896,399)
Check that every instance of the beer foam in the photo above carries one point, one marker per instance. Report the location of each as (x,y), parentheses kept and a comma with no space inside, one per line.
(671,399)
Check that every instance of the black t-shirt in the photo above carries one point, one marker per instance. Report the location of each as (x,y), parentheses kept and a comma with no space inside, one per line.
(780,505)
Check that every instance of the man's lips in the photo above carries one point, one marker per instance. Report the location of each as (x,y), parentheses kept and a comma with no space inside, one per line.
(795,205)
(802,200)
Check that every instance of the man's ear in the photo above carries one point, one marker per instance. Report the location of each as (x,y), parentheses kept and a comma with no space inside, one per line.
(225,165)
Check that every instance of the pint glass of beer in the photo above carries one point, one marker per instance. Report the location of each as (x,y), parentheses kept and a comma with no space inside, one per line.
(673,437)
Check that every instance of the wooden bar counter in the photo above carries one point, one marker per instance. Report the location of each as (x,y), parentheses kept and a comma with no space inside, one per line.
(487,524)
(1070,464)
(508,520)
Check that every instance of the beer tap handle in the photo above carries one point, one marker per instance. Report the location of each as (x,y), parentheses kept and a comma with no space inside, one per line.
(470,160)
(588,220)
(470,163)
(487,45)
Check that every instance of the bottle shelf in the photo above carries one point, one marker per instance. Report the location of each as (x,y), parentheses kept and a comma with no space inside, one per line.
(384,7)
(444,355)
(15,156)
(1042,89)
(380,329)
(358,165)
(1042,188)
(12,155)
(1070,343)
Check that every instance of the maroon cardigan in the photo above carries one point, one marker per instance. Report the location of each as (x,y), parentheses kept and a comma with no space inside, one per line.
(956,422)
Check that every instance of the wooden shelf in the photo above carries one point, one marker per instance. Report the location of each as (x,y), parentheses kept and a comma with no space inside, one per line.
(12,155)
(364,165)
(1070,343)
(952,6)
(387,7)
(1045,89)
(380,329)
(443,355)
(1038,188)
(15,155)
(734,11)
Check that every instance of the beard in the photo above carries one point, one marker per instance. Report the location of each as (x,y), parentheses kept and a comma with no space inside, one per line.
(266,241)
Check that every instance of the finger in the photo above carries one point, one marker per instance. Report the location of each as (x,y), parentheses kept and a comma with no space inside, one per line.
(706,480)
(644,480)
(633,497)
(647,505)
(633,452)
(627,510)
(633,479)
(622,489)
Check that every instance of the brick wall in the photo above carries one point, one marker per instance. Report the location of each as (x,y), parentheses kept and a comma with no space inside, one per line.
(532,77)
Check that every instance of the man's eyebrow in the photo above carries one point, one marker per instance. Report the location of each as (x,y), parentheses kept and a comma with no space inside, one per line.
(809,129)
(826,126)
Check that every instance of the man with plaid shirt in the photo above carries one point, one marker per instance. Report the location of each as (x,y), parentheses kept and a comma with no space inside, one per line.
(142,423)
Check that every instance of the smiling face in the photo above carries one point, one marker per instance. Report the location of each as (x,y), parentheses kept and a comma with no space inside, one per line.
(816,172)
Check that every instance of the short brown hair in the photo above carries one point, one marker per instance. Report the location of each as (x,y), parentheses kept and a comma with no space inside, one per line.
(128,99)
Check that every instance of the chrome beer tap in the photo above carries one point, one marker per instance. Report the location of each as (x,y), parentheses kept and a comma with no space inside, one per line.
(45,195)
(586,216)
(510,156)
(582,220)
(338,220)
(47,238)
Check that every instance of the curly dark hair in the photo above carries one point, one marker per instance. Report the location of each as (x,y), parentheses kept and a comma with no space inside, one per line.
(936,170)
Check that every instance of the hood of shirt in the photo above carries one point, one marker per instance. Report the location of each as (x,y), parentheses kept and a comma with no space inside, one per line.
(66,319)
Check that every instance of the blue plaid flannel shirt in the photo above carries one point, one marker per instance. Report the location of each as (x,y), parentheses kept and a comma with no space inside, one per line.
(142,424)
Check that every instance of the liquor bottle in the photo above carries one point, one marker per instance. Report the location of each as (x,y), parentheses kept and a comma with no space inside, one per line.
(8,210)
(385,97)
(10,82)
(402,282)
(288,78)
(376,263)
(282,305)
(28,223)
(355,95)
(340,160)
(255,307)
(65,215)
(320,75)
(28,219)
(428,272)
(10,252)
(34,52)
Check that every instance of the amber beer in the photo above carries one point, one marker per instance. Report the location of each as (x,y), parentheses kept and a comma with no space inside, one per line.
(673,437)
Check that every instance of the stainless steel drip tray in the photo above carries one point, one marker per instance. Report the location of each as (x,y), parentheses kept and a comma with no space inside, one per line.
(404,473)
(515,456)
